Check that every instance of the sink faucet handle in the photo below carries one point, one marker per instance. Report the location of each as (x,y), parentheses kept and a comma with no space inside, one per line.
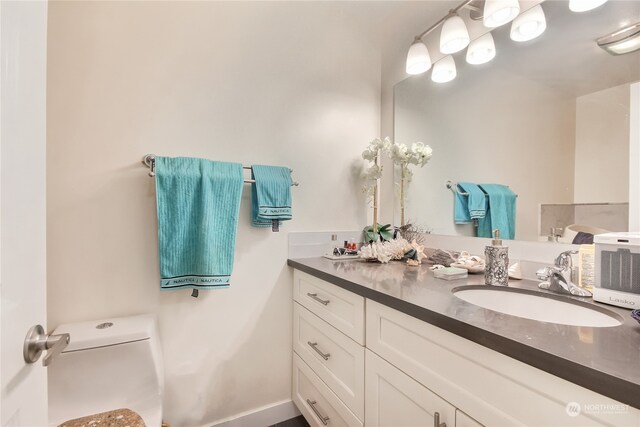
(564,260)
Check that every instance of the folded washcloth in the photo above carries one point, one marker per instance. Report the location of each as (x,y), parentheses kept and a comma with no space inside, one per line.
(270,196)
(501,212)
(476,199)
(461,208)
(198,202)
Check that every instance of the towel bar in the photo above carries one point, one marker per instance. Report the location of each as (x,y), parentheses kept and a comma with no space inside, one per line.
(149,161)
(454,188)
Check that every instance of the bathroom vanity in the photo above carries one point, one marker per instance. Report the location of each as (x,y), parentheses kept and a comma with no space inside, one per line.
(390,345)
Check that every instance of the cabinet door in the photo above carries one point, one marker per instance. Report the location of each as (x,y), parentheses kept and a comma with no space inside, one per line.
(393,399)
(464,420)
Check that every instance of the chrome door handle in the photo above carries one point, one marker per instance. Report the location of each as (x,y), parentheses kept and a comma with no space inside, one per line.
(314,345)
(325,420)
(436,420)
(315,297)
(37,341)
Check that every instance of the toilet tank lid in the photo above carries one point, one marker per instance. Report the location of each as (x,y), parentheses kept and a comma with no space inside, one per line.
(105,332)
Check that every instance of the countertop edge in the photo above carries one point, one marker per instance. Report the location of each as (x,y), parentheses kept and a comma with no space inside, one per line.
(600,382)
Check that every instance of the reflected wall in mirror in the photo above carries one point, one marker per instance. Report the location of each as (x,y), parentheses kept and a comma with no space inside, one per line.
(549,118)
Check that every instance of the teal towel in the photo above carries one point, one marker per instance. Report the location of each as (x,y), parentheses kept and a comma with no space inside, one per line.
(461,208)
(501,212)
(270,195)
(476,199)
(198,202)
(469,206)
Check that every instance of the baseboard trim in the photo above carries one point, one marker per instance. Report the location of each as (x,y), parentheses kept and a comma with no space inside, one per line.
(262,417)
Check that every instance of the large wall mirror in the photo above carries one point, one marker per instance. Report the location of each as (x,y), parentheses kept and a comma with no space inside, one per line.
(550,118)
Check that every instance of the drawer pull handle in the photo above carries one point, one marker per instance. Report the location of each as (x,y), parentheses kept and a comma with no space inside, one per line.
(314,345)
(315,297)
(325,420)
(436,420)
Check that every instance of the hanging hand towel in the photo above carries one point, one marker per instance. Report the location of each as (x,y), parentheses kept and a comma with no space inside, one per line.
(501,212)
(270,196)
(198,202)
(470,206)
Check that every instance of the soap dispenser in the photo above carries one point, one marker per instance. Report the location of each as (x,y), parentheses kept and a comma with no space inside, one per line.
(496,270)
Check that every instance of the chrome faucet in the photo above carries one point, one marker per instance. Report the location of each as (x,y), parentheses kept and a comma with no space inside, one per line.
(558,278)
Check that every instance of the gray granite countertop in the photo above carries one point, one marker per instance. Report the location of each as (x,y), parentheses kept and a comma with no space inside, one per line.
(605,360)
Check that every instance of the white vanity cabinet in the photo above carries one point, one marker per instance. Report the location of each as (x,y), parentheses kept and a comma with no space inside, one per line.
(410,371)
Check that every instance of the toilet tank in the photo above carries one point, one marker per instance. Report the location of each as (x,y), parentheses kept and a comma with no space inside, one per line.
(109,364)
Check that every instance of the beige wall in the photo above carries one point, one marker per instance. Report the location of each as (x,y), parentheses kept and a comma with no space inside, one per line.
(294,84)
(602,144)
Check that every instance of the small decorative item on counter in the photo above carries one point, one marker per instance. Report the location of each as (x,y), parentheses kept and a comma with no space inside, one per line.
(450,273)
(496,272)
(515,272)
(636,315)
(471,263)
(415,255)
(442,257)
(385,251)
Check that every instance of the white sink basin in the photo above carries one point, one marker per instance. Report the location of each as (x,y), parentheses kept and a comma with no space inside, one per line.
(538,306)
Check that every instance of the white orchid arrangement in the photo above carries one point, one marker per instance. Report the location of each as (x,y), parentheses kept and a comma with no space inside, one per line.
(372,174)
(403,156)
(418,154)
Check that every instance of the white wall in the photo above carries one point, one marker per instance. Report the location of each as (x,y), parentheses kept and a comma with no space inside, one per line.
(602,140)
(294,84)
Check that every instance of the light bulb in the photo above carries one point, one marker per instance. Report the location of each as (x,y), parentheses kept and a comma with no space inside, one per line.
(418,59)
(499,12)
(444,70)
(481,50)
(584,5)
(529,25)
(454,36)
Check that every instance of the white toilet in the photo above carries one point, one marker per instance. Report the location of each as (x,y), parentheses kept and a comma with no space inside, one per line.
(109,364)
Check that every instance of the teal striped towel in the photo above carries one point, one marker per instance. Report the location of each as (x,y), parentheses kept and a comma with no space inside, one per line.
(501,212)
(270,196)
(198,202)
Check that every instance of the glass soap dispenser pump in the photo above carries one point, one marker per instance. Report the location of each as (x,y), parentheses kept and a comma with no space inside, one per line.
(496,272)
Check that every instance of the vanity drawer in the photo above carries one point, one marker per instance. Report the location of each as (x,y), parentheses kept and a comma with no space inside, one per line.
(334,357)
(342,309)
(319,405)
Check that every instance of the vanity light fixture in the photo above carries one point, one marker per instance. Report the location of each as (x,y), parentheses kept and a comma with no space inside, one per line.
(584,5)
(499,12)
(454,36)
(623,41)
(418,59)
(444,70)
(481,50)
(528,25)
